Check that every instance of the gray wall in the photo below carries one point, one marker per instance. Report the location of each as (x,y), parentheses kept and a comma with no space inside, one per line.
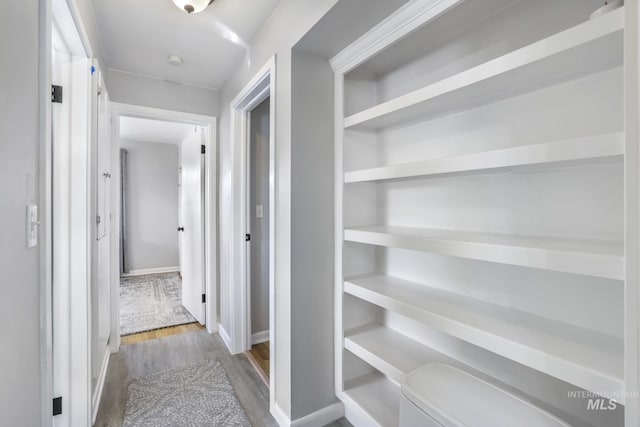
(152,205)
(138,90)
(259,140)
(20,369)
(303,189)
(288,23)
(312,227)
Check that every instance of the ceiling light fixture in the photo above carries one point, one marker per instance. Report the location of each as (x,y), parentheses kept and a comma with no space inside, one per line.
(192,6)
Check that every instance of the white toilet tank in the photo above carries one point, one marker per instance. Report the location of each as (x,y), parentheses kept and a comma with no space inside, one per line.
(439,395)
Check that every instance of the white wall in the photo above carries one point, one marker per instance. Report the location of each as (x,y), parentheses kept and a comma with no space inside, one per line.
(259,169)
(20,369)
(133,89)
(90,28)
(152,205)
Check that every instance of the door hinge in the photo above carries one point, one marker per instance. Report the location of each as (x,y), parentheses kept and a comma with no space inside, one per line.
(57,406)
(204,298)
(247,237)
(98,219)
(56,94)
(203,149)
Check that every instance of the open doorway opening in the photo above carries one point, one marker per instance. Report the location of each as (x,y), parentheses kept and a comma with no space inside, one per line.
(161,264)
(258,230)
(166,222)
(250,279)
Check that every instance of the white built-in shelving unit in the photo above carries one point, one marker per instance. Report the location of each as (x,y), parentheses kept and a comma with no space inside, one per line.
(483,193)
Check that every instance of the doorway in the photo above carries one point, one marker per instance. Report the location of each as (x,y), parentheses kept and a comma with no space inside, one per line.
(166,220)
(157,290)
(258,232)
(236,277)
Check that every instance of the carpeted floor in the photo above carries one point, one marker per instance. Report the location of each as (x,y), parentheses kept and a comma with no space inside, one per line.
(151,302)
(195,395)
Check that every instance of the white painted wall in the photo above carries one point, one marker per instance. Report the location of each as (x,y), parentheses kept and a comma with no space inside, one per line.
(90,29)
(152,205)
(133,89)
(20,388)
(259,190)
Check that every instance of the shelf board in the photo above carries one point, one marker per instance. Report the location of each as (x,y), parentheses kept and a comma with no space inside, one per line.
(584,358)
(375,399)
(599,258)
(574,152)
(586,48)
(388,351)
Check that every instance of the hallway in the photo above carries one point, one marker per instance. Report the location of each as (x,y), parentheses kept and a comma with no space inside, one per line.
(157,355)
(326,213)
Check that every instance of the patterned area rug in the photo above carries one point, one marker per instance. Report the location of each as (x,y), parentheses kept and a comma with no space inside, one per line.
(151,302)
(194,396)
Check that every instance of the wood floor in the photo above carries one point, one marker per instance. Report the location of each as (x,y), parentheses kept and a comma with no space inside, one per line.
(259,353)
(167,352)
(163,332)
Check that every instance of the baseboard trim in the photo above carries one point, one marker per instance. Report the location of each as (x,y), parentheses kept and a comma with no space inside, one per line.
(319,418)
(260,337)
(225,337)
(212,327)
(280,417)
(151,271)
(97,396)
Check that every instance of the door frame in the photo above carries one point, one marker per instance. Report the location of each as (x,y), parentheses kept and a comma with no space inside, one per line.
(210,205)
(261,86)
(77,398)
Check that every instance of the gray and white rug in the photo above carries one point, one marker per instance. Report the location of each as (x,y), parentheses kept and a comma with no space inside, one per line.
(151,302)
(191,396)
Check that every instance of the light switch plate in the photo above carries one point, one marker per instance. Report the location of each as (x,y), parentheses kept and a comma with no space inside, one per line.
(32,226)
(259,211)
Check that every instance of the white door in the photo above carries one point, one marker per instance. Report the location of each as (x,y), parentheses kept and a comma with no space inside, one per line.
(191,228)
(101,295)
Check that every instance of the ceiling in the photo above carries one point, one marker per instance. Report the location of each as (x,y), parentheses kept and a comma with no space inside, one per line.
(137,36)
(147,130)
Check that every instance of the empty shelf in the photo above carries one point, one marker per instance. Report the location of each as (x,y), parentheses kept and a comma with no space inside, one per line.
(375,398)
(388,351)
(589,47)
(578,151)
(585,358)
(599,258)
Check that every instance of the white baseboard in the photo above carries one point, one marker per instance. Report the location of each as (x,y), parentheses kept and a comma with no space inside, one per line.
(225,336)
(259,337)
(151,271)
(97,395)
(280,417)
(212,327)
(319,418)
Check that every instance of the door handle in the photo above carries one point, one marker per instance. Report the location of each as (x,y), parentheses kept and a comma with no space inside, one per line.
(180,228)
